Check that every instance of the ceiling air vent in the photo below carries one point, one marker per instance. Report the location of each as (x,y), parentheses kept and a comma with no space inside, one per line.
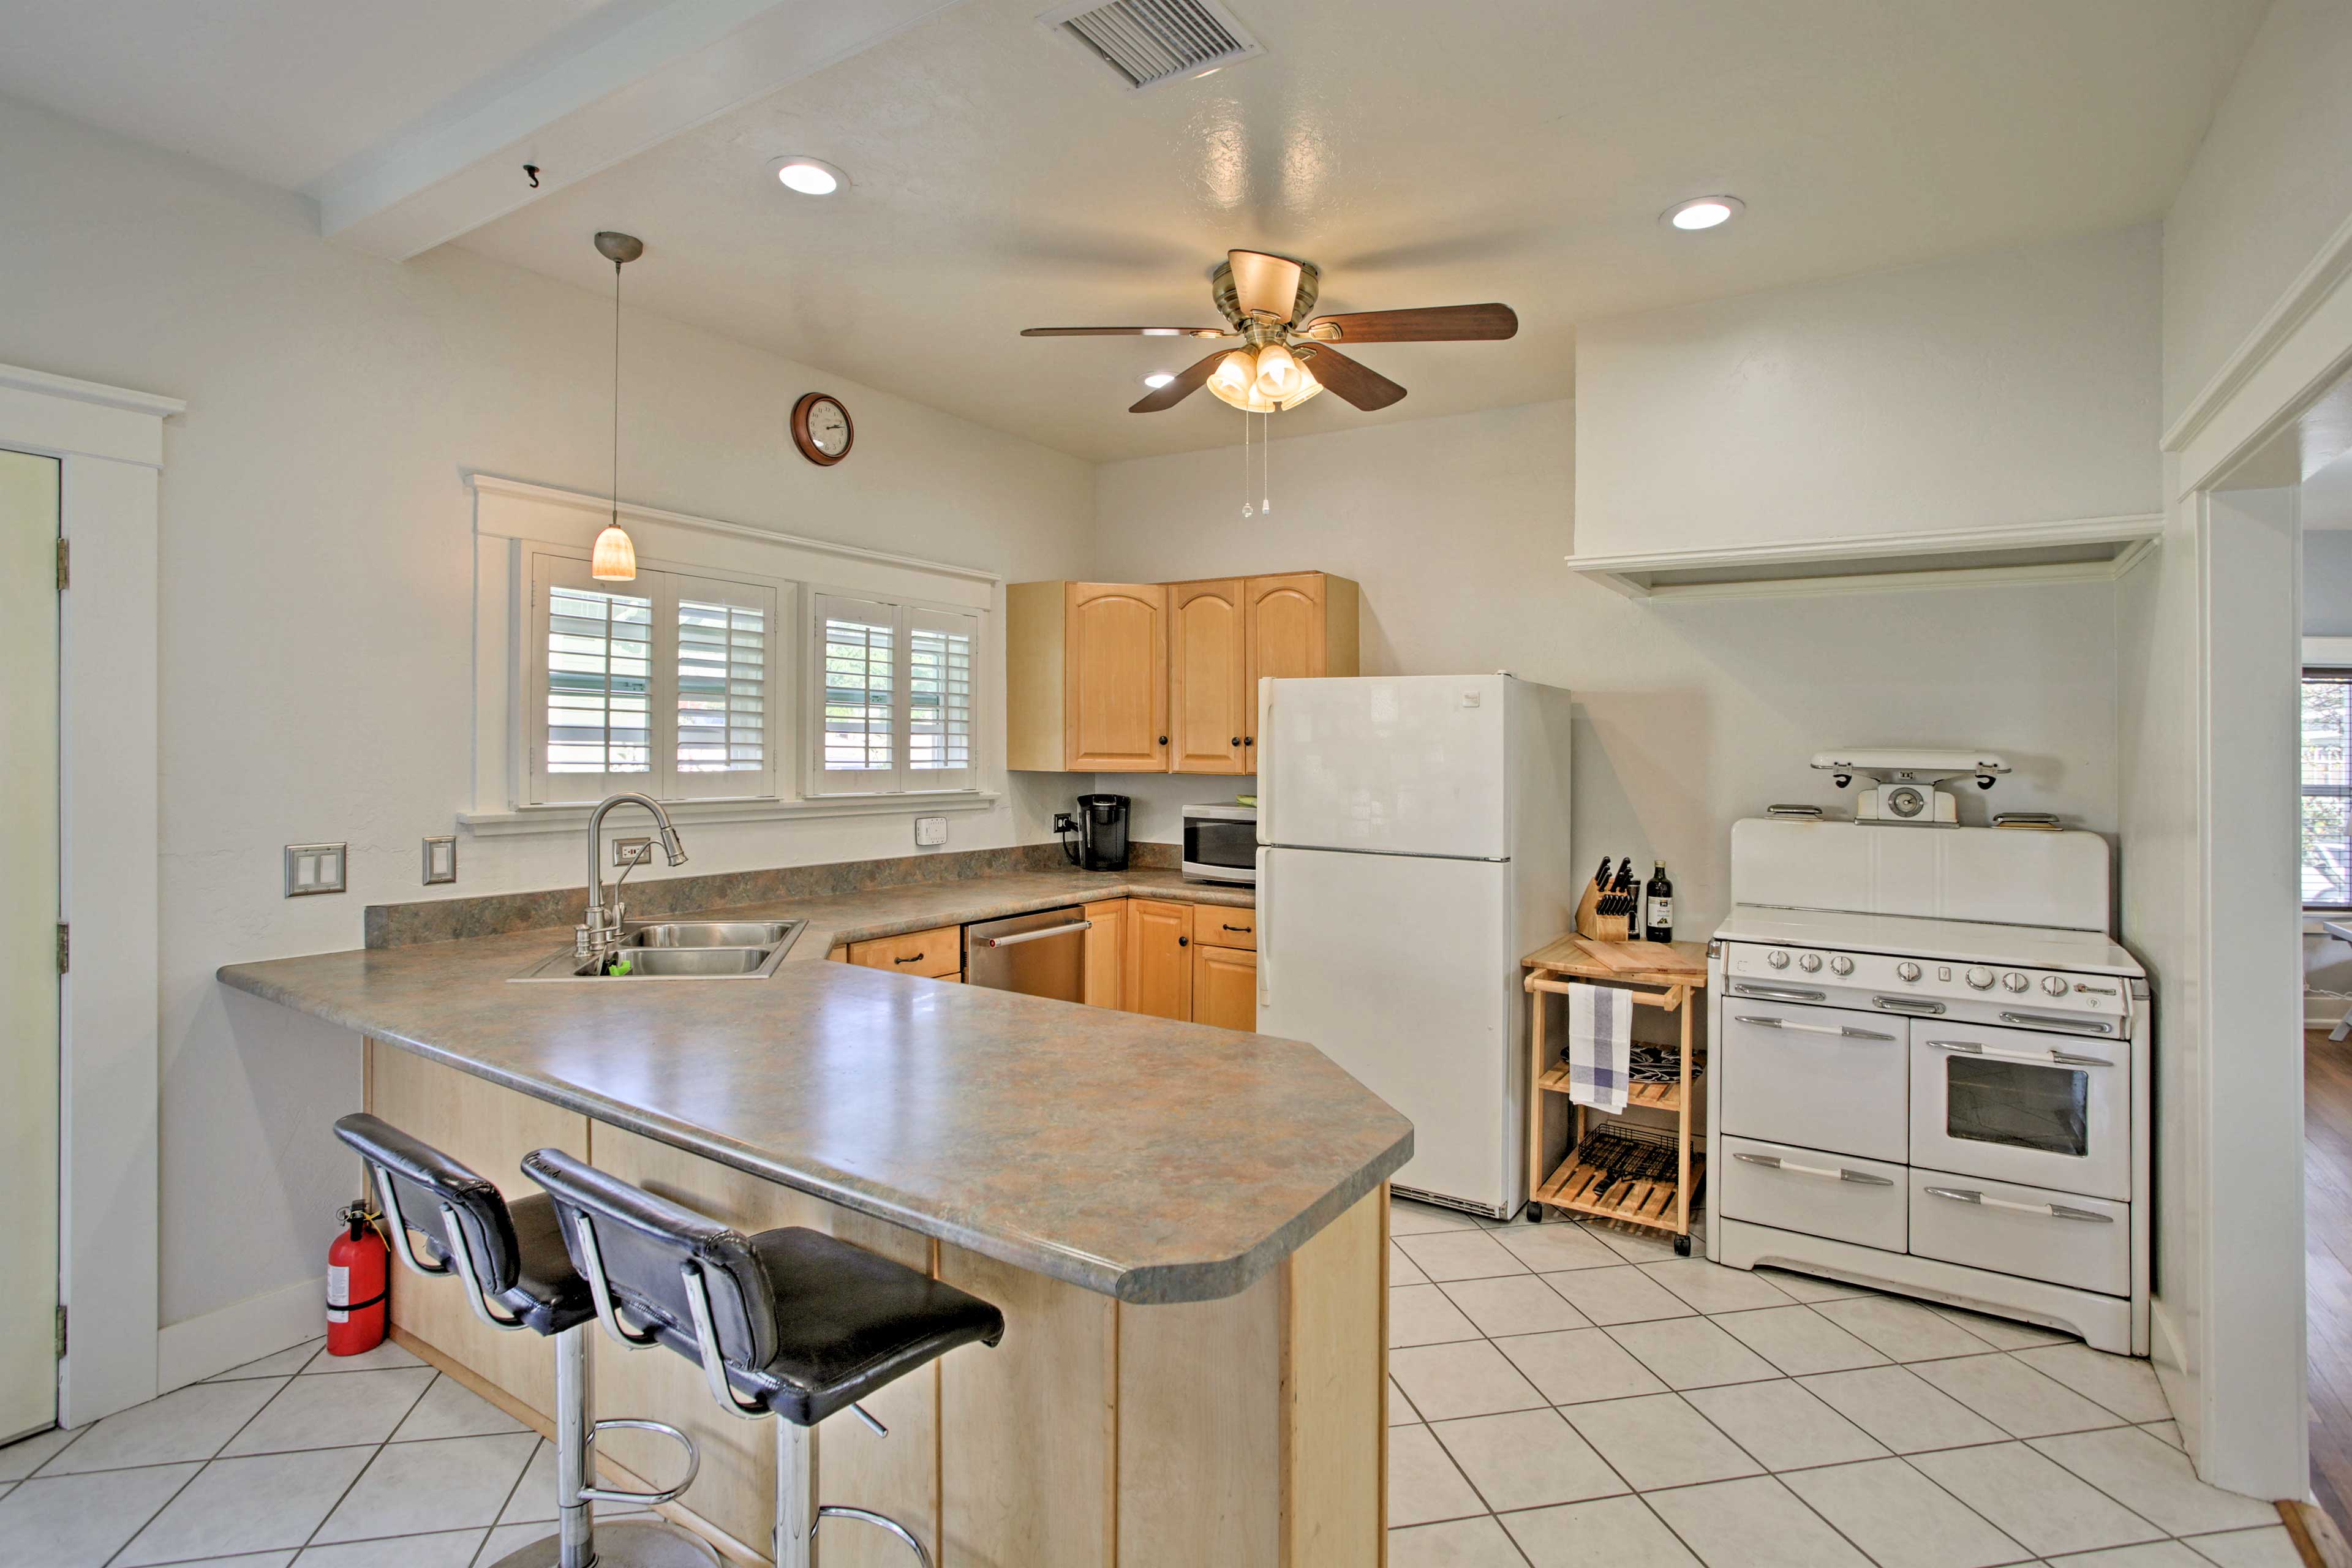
(1149,42)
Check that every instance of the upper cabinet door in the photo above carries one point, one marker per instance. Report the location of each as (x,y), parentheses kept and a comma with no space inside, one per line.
(1116,678)
(1207,688)
(1285,637)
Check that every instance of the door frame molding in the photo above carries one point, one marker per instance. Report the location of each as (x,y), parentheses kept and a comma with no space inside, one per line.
(109,444)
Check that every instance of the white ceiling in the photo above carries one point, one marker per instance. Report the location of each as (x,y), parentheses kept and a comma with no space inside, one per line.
(283,91)
(1421,154)
(2327,500)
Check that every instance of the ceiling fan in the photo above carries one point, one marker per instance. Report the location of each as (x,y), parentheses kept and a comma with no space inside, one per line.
(1284,358)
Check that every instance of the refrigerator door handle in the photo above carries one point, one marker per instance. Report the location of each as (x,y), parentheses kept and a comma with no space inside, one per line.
(1264,767)
(1264,888)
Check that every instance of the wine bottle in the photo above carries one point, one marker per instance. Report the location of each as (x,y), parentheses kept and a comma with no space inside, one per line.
(1658,907)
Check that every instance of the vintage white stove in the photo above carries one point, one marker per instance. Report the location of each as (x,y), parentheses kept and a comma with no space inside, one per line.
(1929,1070)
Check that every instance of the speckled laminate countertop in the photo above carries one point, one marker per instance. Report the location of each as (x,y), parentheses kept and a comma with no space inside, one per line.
(1151,1160)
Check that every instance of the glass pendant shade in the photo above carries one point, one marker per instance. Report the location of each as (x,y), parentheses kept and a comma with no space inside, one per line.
(1234,375)
(1308,388)
(616,560)
(1280,376)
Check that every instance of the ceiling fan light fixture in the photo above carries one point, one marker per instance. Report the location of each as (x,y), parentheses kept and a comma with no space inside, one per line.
(1703,212)
(1279,374)
(1309,388)
(808,176)
(1236,377)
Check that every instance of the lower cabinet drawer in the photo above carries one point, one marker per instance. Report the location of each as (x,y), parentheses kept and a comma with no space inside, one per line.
(1788,1188)
(2061,1238)
(1214,925)
(936,954)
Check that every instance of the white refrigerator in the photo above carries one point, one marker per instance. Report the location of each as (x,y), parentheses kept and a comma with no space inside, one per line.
(1413,847)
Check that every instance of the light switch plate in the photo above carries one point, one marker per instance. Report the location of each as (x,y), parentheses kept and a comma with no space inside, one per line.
(931,831)
(315,869)
(440,860)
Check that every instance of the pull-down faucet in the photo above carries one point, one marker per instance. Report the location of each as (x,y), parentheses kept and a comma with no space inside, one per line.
(600,928)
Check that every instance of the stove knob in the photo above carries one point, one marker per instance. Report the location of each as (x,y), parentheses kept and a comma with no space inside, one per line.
(2015,982)
(1980,979)
(1907,970)
(1842,964)
(1810,962)
(1777,959)
(2054,984)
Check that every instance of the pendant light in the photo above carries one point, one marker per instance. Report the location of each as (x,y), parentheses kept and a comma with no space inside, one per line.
(616,558)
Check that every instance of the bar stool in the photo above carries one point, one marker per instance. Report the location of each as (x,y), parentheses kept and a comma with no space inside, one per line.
(518,1274)
(789,1323)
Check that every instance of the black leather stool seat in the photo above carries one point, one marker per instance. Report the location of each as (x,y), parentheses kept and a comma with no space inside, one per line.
(807,1325)
(517,1249)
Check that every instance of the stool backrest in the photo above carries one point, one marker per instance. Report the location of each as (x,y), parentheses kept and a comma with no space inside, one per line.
(424,1182)
(644,1243)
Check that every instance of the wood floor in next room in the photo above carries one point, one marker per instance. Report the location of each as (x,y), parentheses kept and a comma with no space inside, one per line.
(2327,1264)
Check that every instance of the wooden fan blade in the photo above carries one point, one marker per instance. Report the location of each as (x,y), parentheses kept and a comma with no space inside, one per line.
(1431,324)
(1360,385)
(1263,283)
(1124,332)
(1188,381)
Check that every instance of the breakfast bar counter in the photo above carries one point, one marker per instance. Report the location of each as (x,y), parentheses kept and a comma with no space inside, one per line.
(1184,1227)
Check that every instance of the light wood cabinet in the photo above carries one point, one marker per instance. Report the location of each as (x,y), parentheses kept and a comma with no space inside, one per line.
(1219,926)
(1105,953)
(1126,678)
(1159,971)
(1208,708)
(1086,677)
(934,955)
(1224,982)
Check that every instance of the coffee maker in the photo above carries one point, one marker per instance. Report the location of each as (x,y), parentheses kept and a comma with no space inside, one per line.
(1101,827)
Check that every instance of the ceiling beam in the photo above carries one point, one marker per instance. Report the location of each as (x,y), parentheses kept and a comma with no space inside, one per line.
(675,67)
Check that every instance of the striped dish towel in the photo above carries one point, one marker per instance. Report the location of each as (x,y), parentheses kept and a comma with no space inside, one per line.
(1600,1045)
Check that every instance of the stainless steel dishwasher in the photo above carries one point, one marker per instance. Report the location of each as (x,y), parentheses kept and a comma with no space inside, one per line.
(1041,954)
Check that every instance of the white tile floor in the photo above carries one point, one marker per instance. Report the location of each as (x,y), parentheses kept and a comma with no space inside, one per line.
(373,1461)
(1562,1398)
(1565,1396)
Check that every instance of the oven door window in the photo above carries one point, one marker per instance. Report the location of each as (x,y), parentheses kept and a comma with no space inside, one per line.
(2018,1104)
(1211,842)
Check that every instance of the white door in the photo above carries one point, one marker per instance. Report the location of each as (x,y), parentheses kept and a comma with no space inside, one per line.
(29,917)
(1398,969)
(1394,765)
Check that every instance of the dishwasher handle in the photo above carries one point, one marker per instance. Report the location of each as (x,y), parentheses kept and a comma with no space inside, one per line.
(1017,938)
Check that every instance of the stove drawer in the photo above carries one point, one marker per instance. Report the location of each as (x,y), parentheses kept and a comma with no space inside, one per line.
(1834,1195)
(2062,1237)
(1819,1077)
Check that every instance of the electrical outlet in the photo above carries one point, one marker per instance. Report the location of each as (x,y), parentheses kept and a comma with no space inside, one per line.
(315,869)
(629,851)
(1064,823)
(930,832)
(440,860)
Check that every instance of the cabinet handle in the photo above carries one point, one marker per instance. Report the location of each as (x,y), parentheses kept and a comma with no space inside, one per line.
(1249,739)
(1236,740)
(1242,930)
(1183,941)
(1163,739)
(916,959)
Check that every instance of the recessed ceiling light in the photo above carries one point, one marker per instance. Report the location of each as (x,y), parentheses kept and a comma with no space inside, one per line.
(1703,212)
(809,176)
(1157,379)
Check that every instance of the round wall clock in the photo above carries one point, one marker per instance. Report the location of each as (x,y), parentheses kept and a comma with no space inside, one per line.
(820,428)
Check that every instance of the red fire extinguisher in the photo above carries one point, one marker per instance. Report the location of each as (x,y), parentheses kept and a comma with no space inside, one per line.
(358,1287)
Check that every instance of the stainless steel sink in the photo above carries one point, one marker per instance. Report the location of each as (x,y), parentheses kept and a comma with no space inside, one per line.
(683,950)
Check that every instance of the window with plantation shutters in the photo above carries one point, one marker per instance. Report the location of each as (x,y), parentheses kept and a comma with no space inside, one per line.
(893,694)
(661,684)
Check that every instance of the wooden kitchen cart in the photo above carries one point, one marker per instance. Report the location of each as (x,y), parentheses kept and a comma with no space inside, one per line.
(1670,977)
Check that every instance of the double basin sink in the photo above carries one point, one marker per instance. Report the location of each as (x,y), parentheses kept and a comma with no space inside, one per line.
(682,950)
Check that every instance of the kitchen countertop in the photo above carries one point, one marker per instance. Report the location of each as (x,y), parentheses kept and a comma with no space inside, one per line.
(1151,1160)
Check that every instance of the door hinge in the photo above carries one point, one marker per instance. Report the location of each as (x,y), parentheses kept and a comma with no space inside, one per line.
(62,1330)
(65,948)
(64,563)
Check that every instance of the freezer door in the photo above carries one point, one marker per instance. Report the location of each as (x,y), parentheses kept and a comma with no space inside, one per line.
(1399,970)
(1392,765)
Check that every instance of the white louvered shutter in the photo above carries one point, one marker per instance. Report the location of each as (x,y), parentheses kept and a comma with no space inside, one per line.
(857,674)
(942,653)
(594,673)
(724,642)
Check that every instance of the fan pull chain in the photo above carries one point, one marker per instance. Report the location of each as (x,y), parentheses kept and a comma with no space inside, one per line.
(1247,509)
(1265,463)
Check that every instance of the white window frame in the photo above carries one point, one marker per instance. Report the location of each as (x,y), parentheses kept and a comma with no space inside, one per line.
(901,780)
(662,582)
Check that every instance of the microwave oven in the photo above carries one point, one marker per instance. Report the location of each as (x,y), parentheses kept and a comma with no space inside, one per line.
(1221,844)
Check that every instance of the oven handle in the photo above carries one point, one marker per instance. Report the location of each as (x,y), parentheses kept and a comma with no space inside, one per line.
(1017,938)
(1774,1162)
(2051,1057)
(2045,1021)
(2054,1211)
(1779,993)
(1845,1031)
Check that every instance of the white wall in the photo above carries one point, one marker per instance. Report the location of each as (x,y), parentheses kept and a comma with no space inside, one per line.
(1689,715)
(2272,180)
(2014,387)
(317,593)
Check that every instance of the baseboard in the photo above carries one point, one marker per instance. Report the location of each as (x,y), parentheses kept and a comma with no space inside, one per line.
(2323,1011)
(2169,1356)
(196,1348)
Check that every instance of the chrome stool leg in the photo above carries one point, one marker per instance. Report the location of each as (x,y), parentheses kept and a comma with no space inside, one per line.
(797,1520)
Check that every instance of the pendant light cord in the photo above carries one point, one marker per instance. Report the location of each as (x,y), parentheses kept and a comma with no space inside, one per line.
(616,394)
